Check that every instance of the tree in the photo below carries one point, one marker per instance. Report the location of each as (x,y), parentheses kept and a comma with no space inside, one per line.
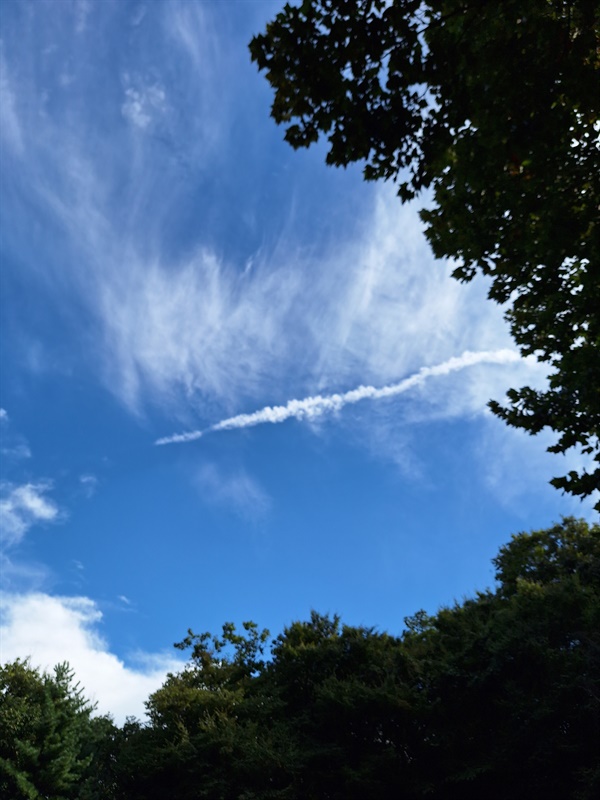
(102,746)
(345,693)
(494,697)
(509,681)
(319,719)
(212,734)
(495,107)
(44,727)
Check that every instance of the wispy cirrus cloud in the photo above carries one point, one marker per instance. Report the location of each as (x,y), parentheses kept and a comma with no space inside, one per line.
(196,332)
(193,328)
(10,125)
(521,462)
(83,10)
(12,445)
(234,490)
(188,328)
(16,451)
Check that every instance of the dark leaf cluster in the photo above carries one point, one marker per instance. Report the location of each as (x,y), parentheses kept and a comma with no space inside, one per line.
(51,748)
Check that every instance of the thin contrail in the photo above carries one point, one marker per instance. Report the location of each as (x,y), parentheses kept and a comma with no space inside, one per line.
(312,407)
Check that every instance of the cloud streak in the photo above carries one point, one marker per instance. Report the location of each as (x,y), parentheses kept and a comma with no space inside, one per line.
(24,506)
(312,407)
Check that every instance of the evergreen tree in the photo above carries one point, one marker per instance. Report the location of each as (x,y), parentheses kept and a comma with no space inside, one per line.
(44,725)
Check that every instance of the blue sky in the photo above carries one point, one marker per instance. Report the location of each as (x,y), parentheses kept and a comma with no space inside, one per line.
(169,265)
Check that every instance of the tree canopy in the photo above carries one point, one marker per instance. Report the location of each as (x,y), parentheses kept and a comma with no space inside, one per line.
(495,107)
(496,696)
(50,746)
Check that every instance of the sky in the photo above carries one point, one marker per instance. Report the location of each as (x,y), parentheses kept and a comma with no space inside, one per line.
(234,383)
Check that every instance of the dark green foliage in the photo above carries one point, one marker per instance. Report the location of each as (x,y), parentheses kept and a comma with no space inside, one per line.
(318,719)
(206,737)
(101,745)
(496,107)
(566,552)
(44,724)
(495,697)
(345,696)
(512,678)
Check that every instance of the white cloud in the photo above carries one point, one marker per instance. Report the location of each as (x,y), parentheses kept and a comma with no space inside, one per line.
(83,9)
(521,465)
(187,25)
(236,490)
(55,629)
(23,506)
(17,451)
(193,334)
(19,576)
(14,445)
(10,126)
(143,105)
(206,60)
(137,15)
(309,408)
(201,333)
(196,332)
(89,484)
(395,307)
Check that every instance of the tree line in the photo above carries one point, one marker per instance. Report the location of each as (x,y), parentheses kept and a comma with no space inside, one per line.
(495,696)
